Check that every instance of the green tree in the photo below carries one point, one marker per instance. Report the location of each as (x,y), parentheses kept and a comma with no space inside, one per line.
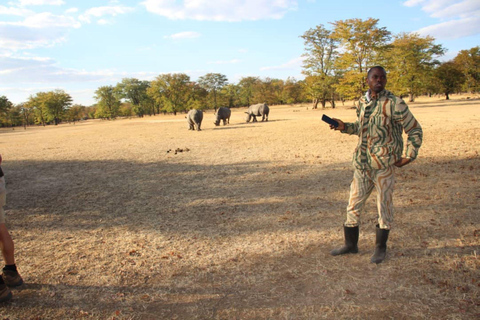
(57,104)
(75,113)
(409,60)
(319,64)
(26,114)
(450,77)
(269,91)
(108,105)
(5,107)
(135,92)
(171,91)
(230,94)
(469,63)
(50,106)
(247,87)
(293,90)
(213,83)
(363,44)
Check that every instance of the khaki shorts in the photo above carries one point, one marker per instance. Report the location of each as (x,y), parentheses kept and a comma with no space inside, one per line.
(3,199)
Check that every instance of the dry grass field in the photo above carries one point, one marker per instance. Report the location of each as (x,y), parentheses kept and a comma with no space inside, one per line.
(239,225)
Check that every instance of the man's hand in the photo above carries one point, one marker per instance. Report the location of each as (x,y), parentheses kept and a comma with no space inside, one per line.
(341,125)
(403,161)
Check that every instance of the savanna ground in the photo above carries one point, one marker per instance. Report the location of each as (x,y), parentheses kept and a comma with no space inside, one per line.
(109,225)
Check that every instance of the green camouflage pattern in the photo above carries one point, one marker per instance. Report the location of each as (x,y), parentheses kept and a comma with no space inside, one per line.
(380,124)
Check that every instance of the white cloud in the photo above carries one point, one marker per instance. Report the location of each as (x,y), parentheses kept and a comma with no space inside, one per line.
(99,12)
(453,29)
(22,76)
(459,18)
(41,2)
(38,70)
(233,61)
(412,3)
(292,64)
(71,10)
(184,35)
(49,20)
(221,10)
(14,37)
(14,11)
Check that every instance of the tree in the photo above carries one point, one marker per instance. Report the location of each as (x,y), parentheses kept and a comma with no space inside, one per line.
(363,44)
(75,113)
(50,106)
(135,91)
(450,78)
(57,104)
(469,62)
(108,103)
(230,95)
(171,91)
(5,106)
(213,83)
(269,91)
(409,60)
(293,90)
(319,64)
(247,89)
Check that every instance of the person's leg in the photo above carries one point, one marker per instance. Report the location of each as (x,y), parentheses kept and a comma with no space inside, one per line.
(360,188)
(5,293)
(7,246)
(10,273)
(384,184)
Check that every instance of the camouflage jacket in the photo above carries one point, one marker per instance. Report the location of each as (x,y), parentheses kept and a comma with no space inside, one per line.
(380,123)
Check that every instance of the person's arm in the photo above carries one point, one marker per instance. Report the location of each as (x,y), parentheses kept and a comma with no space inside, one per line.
(348,127)
(413,130)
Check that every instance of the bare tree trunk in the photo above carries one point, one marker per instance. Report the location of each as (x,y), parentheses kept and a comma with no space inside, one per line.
(324,102)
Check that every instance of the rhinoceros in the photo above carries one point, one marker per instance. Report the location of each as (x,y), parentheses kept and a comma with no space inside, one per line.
(255,110)
(194,118)
(223,113)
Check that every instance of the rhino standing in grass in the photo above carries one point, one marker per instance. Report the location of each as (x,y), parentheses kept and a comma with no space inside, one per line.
(194,119)
(255,110)
(223,114)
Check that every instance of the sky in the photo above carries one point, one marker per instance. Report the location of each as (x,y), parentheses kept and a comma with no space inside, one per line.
(79,46)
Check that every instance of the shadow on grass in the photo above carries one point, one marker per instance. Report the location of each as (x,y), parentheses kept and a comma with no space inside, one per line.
(179,196)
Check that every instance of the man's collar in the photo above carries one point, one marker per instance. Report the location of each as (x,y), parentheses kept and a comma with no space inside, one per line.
(369,97)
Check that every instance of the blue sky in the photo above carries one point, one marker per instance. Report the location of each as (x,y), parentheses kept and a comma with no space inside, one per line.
(78,46)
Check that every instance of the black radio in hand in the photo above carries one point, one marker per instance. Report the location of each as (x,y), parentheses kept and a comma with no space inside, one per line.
(329,120)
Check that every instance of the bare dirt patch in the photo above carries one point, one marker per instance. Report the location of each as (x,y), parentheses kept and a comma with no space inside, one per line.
(109,225)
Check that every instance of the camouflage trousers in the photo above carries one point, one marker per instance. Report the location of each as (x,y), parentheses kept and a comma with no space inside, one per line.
(362,186)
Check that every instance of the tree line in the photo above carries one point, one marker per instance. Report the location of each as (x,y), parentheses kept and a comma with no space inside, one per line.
(335,64)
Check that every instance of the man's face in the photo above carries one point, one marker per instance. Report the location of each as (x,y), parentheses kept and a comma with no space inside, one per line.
(377,80)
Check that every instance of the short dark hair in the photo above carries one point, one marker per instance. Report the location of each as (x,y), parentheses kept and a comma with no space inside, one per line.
(376,67)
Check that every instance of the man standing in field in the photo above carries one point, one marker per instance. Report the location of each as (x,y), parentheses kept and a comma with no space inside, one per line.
(10,276)
(381,119)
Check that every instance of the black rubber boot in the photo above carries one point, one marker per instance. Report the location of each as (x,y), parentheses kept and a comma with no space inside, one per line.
(380,245)
(351,240)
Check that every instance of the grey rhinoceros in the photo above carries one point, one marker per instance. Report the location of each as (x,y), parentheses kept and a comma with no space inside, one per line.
(194,119)
(255,110)
(223,113)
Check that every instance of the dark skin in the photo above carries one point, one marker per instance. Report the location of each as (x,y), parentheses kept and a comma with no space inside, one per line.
(376,81)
